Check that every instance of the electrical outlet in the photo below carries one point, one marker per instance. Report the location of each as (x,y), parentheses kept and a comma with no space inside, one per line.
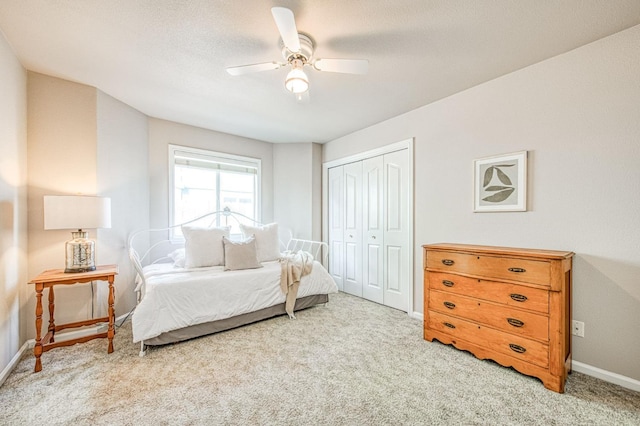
(577,328)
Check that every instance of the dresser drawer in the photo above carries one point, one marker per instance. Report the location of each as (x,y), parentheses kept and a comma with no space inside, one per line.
(508,294)
(501,317)
(514,269)
(518,347)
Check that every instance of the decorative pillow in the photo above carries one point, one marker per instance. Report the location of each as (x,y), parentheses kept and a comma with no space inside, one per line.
(267,241)
(178,257)
(240,254)
(203,246)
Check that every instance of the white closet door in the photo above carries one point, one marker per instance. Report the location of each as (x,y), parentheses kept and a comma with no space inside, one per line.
(336,225)
(373,229)
(353,228)
(396,232)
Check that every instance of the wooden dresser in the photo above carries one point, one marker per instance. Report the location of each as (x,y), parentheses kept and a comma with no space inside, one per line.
(506,304)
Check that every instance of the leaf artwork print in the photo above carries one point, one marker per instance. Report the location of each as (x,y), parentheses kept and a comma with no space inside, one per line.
(500,192)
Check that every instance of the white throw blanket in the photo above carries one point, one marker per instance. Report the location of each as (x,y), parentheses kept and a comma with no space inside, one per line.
(293,267)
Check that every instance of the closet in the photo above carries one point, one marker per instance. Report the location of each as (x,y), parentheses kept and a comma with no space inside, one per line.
(368,228)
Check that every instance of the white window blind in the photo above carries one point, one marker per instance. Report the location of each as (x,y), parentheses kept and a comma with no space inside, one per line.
(213,162)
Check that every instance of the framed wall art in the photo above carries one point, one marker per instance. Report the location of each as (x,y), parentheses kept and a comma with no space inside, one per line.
(500,183)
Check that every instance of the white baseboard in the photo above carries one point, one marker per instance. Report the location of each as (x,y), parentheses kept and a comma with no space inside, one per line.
(417,315)
(607,376)
(13,363)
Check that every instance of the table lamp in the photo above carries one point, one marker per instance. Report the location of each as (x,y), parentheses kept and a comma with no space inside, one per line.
(77,212)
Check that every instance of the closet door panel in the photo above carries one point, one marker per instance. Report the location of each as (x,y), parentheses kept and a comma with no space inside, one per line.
(336,225)
(394,269)
(373,229)
(353,228)
(394,191)
(396,250)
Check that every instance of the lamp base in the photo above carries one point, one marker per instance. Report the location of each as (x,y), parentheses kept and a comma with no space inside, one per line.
(73,270)
(80,253)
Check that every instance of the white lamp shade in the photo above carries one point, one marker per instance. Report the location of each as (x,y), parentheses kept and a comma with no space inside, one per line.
(297,81)
(76,212)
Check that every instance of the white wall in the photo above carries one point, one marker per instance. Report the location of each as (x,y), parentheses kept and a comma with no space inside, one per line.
(82,141)
(13,203)
(162,133)
(122,175)
(578,115)
(316,191)
(62,159)
(297,175)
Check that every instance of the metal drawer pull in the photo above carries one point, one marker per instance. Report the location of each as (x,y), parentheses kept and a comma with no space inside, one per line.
(518,297)
(517,270)
(448,324)
(448,262)
(447,283)
(515,322)
(449,305)
(517,348)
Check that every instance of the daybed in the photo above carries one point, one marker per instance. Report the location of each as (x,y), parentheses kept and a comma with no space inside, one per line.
(209,283)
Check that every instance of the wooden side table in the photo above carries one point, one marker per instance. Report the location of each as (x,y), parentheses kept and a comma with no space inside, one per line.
(48,279)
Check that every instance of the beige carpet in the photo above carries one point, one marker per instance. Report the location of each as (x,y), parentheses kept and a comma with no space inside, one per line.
(350,362)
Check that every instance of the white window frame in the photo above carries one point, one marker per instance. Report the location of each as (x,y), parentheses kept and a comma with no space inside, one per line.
(236,160)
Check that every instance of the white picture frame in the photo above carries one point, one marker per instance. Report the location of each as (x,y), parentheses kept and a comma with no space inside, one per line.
(500,183)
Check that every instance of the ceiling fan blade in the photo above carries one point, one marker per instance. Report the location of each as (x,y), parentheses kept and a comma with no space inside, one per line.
(347,66)
(248,69)
(286,24)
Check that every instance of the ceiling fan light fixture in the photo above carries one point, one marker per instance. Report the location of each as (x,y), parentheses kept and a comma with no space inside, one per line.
(297,51)
(297,81)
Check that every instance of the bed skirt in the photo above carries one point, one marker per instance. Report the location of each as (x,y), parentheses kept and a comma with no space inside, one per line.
(233,322)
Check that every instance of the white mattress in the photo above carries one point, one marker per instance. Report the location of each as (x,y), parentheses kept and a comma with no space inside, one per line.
(177,297)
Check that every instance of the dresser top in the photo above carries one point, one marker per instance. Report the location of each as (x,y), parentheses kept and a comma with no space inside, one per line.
(511,251)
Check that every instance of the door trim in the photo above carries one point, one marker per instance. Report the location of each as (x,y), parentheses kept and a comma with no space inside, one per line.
(404,144)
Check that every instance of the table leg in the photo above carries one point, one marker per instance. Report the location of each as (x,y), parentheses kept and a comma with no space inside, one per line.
(37,349)
(52,325)
(111,332)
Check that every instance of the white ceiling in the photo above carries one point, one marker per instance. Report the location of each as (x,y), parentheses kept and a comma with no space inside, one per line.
(167,58)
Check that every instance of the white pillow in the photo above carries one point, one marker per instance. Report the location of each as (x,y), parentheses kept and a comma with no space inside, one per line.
(267,242)
(203,246)
(178,257)
(240,254)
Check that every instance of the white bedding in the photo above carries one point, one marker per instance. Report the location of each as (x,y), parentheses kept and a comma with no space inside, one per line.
(176,297)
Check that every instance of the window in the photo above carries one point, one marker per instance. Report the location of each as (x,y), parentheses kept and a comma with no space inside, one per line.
(202,182)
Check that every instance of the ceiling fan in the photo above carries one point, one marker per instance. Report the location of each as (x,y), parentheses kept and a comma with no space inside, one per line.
(297,51)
